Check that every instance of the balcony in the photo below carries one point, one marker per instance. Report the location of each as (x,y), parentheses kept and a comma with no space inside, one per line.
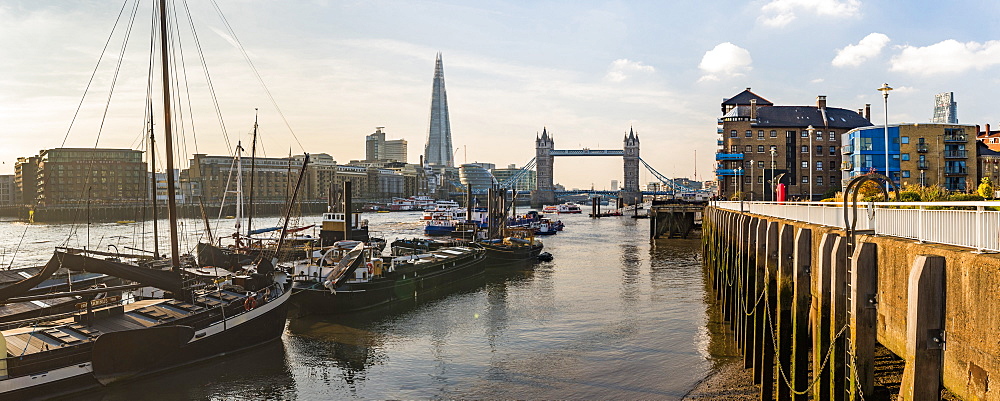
(922,165)
(956,138)
(847,165)
(728,156)
(720,143)
(922,147)
(956,170)
(720,131)
(728,171)
(847,149)
(956,154)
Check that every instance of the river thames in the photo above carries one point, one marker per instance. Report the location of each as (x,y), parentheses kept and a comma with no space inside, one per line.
(613,316)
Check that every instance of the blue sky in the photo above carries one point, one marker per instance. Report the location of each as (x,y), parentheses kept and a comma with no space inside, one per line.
(587,70)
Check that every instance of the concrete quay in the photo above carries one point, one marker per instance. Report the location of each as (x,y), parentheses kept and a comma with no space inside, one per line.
(807,303)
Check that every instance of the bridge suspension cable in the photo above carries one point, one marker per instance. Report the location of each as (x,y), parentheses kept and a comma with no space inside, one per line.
(664,179)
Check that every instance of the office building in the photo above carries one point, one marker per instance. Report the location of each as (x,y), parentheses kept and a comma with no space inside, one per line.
(476,176)
(377,148)
(526,182)
(8,190)
(438,151)
(945,109)
(70,176)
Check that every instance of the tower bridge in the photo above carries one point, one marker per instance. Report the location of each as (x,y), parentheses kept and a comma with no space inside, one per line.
(545,153)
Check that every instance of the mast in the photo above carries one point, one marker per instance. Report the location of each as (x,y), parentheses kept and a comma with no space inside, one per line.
(175,257)
(239,190)
(288,212)
(253,165)
(152,166)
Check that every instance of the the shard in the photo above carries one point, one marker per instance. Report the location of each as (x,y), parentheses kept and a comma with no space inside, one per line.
(438,150)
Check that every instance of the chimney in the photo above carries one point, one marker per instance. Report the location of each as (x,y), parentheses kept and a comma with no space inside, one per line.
(821,102)
(987,129)
(868,111)
(753,109)
(861,112)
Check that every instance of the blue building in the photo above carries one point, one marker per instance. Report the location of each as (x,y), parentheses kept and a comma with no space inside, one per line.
(926,154)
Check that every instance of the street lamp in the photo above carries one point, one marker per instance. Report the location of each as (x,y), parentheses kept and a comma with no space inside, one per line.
(812,131)
(885,99)
(751,179)
(738,178)
(774,152)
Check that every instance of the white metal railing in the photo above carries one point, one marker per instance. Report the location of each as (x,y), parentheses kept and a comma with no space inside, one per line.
(973,227)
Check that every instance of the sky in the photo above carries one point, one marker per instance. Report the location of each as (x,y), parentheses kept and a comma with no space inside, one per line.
(587,71)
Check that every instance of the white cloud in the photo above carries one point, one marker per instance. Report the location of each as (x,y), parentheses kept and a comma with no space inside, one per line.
(725,60)
(854,55)
(779,13)
(817,81)
(946,57)
(621,69)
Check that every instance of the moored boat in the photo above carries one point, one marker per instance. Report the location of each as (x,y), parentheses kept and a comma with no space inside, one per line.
(352,276)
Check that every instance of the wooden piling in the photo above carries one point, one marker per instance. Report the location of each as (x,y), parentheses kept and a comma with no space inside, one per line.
(784,323)
(760,277)
(838,319)
(750,294)
(767,354)
(821,316)
(864,287)
(800,314)
(924,330)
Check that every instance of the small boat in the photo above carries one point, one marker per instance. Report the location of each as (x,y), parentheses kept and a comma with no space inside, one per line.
(520,245)
(565,208)
(351,276)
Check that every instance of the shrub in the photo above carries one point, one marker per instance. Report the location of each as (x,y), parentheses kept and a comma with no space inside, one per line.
(909,196)
(964,197)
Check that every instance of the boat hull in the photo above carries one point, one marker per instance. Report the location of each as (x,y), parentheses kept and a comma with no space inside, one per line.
(311,299)
(499,254)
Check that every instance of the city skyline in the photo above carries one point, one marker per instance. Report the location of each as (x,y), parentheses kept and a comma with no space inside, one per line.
(585,70)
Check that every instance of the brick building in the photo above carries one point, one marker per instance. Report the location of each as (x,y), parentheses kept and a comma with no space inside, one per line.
(926,154)
(762,144)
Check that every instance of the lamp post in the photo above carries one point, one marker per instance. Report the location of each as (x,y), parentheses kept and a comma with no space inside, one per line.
(774,153)
(738,178)
(812,131)
(751,179)
(885,100)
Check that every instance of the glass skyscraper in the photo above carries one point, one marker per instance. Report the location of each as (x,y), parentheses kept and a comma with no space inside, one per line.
(438,150)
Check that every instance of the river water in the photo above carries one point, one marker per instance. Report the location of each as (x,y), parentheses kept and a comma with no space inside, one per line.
(613,316)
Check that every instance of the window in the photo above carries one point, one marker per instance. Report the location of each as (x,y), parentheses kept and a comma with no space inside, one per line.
(833,165)
(805,179)
(789,134)
(774,134)
(749,134)
(866,144)
(906,173)
(819,180)
(906,157)
(819,166)
(805,149)
(733,134)
(733,148)
(760,164)
(833,136)
(760,180)
(805,164)
(746,179)
(904,139)
(833,180)
(749,148)
(819,150)
(819,135)
(833,150)
(748,164)
(805,134)
(760,148)
(774,148)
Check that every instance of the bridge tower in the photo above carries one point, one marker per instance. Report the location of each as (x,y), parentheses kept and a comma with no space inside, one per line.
(544,190)
(630,189)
